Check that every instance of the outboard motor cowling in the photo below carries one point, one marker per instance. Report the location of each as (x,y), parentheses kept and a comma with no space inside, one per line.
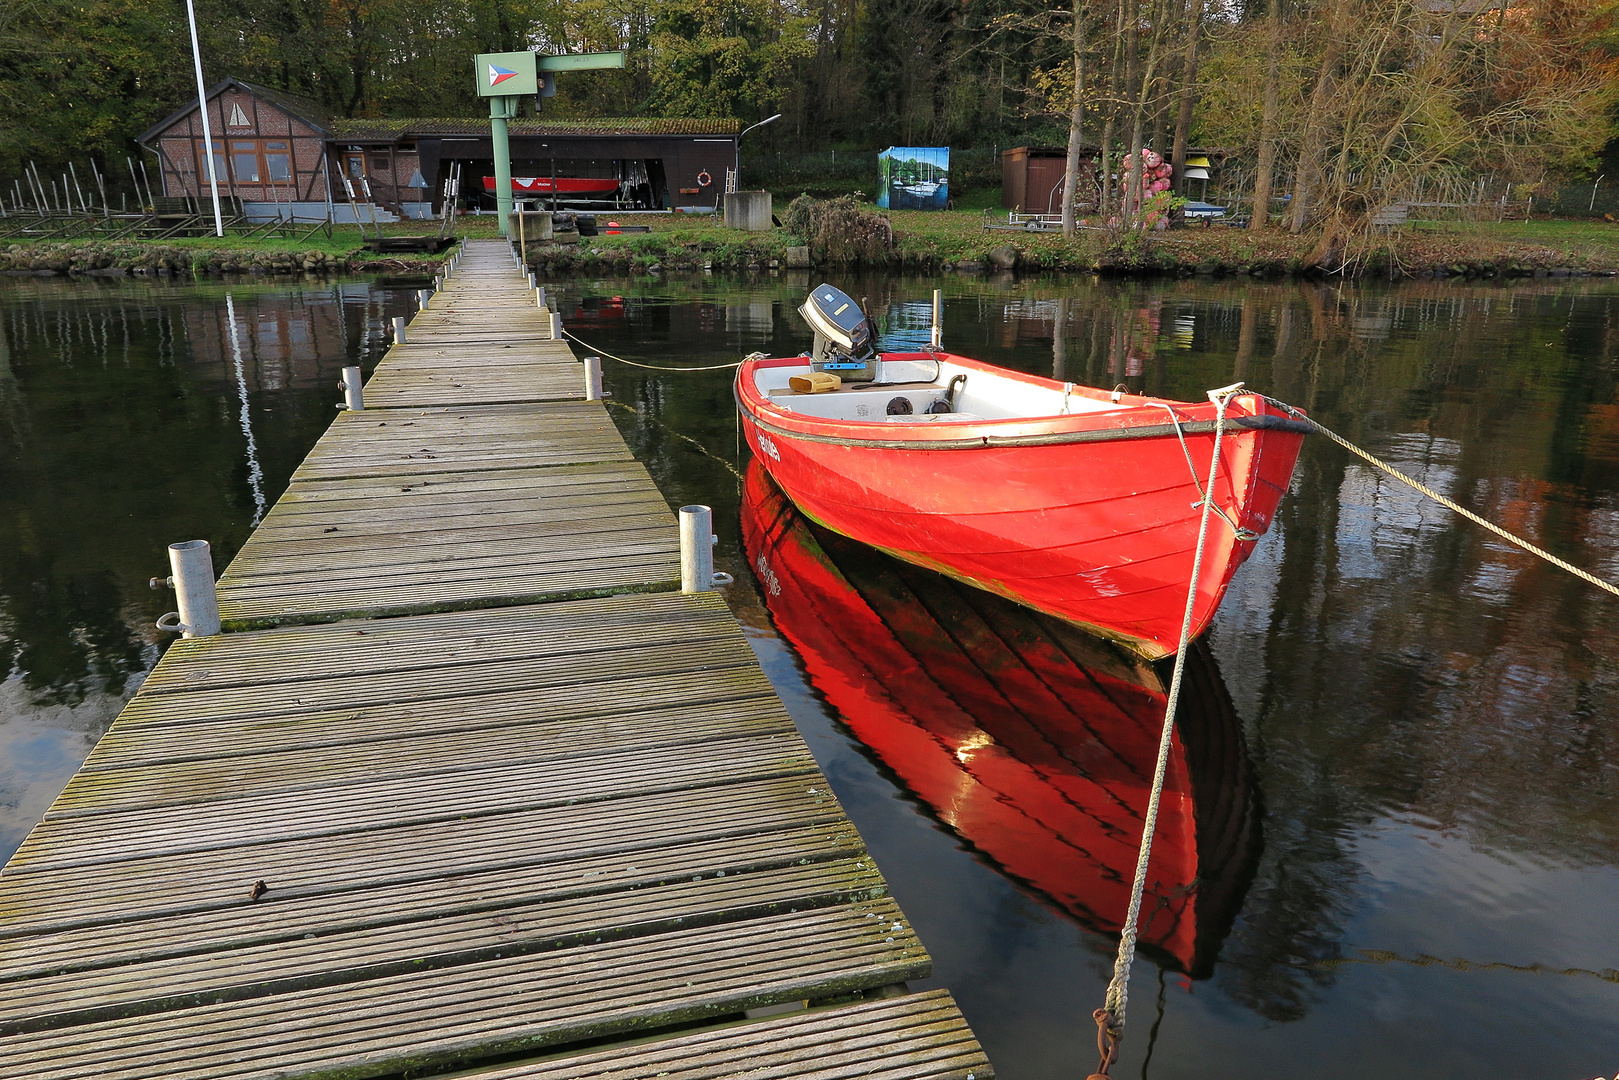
(844,337)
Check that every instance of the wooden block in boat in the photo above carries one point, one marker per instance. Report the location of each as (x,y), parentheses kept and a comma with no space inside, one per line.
(816,382)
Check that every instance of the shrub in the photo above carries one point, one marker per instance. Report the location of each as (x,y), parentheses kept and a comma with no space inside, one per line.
(842,230)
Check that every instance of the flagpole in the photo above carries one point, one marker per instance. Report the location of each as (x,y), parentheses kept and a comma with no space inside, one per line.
(207,130)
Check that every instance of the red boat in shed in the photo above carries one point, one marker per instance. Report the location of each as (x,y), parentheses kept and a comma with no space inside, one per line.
(1035,742)
(1078,502)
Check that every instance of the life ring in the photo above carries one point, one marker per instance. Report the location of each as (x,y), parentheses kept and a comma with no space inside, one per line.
(703,179)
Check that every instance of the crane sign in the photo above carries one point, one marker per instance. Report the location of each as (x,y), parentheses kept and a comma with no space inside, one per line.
(505,77)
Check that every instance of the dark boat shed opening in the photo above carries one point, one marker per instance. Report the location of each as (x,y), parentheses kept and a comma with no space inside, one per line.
(283,155)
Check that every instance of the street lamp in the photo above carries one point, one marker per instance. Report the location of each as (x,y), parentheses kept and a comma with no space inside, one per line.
(737,174)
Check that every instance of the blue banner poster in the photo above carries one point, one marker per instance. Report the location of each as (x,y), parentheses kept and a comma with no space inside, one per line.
(914,178)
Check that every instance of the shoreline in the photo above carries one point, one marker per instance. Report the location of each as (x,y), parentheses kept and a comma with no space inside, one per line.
(922,243)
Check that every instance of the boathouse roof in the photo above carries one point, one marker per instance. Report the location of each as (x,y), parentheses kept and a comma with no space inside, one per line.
(390,129)
(308,110)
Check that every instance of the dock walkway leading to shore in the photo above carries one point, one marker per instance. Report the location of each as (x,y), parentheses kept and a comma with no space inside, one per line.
(470,784)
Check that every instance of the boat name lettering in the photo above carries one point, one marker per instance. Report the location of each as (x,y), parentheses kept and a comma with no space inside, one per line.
(768,446)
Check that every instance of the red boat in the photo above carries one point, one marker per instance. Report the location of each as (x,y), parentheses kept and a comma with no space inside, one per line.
(564,185)
(1034,741)
(1074,501)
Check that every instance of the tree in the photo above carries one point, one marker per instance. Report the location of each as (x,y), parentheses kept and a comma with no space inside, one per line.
(726,57)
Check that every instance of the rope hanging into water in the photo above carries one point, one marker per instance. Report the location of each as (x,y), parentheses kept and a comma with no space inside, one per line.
(1110,1017)
(1449,504)
(699,447)
(649,367)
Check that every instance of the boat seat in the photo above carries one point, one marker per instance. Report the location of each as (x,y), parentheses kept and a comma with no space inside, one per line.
(932,418)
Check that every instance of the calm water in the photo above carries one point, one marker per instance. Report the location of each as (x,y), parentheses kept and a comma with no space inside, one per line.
(134,414)
(1428,717)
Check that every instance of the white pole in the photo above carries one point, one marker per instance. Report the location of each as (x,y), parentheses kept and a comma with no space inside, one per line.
(207,129)
(936,338)
(193,582)
(593,378)
(696,549)
(399,329)
(353,394)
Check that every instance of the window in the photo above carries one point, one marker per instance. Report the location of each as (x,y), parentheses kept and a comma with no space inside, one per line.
(277,162)
(356,165)
(219,163)
(244,159)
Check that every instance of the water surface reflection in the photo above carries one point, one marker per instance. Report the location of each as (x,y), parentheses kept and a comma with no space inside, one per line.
(1429,712)
(1035,742)
(134,414)
(1427,715)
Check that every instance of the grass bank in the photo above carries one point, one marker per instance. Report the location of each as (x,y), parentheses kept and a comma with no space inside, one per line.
(952,241)
(957,241)
(343,251)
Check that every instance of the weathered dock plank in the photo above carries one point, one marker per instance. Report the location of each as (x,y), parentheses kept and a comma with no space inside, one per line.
(915,1037)
(452,810)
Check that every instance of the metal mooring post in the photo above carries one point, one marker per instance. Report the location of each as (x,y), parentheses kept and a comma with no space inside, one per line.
(697,542)
(539,294)
(193,582)
(353,395)
(593,378)
(556,326)
(531,282)
(399,329)
(936,339)
(422,297)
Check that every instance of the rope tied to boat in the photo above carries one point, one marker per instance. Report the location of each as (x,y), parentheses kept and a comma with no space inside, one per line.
(1448,504)
(1110,1017)
(659,367)
(1202,496)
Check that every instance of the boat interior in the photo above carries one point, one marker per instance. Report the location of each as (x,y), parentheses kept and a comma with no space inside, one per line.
(908,390)
(905,388)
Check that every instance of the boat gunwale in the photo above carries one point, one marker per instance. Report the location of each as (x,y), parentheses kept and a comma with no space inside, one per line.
(770,417)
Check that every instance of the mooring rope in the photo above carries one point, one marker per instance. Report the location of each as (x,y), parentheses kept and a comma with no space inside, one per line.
(1448,504)
(1110,1017)
(650,367)
(701,449)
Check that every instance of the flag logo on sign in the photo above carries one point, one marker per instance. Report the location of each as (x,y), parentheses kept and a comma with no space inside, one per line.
(498,75)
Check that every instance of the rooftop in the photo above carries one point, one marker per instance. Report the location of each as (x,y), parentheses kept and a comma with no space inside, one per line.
(391,129)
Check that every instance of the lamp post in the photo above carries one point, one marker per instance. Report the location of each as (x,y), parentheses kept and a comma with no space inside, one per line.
(760,124)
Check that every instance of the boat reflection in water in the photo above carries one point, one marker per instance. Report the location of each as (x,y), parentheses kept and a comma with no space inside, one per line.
(1033,740)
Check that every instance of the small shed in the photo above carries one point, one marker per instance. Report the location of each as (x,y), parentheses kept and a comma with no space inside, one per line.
(914,178)
(1032,177)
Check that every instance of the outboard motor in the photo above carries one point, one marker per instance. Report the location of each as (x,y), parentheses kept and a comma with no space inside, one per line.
(845,339)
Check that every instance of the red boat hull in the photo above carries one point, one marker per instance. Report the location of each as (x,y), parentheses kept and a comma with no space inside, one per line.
(563,185)
(1033,742)
(1090,517)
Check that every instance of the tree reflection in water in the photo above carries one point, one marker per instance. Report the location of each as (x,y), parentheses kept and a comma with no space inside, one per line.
(1429,715)
(1429,711)
(124,410)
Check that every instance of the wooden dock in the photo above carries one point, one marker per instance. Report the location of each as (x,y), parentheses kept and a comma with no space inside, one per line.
(469,785)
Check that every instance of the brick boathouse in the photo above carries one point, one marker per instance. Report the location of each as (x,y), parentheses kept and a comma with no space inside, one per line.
(285,156)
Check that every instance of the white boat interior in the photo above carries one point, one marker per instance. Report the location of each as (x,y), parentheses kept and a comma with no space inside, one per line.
(912,391)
